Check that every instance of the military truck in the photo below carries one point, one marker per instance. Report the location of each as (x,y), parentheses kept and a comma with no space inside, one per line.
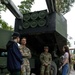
(5,35)
(42,28)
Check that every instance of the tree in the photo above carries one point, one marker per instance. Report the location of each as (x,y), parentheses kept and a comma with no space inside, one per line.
(4,25)
(2,8)
(25,6)
(63,6)
(68,43)
(10,28)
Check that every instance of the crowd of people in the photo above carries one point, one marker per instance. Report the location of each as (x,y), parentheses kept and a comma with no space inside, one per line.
(18,56)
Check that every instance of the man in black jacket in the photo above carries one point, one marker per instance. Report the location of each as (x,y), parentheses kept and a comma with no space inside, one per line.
(14,57)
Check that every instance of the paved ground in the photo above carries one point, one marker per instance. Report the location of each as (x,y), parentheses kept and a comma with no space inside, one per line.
(72,72)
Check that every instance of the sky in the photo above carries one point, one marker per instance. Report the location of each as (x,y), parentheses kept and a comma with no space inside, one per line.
(40,5)
(70,16)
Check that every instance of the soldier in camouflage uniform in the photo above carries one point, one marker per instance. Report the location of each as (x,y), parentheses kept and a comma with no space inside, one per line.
(45,59)
(26,56)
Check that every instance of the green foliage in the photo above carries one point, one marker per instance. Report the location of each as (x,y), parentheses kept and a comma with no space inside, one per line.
(25,6)
(4,25)
(74,51)
(68,43)
(2,8)
(63,6)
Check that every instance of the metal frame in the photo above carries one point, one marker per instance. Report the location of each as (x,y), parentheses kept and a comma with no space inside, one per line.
(11,6)
(51,6)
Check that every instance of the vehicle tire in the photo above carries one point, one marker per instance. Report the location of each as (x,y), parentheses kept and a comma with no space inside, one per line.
(53,68)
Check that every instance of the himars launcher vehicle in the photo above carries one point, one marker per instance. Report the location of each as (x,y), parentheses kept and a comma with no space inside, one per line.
(50,30)
(42,28)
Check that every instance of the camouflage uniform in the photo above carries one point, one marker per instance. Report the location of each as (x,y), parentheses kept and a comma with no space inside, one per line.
(45,58)
(26,55)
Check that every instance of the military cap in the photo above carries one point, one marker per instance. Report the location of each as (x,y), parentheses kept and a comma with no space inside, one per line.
(46,47)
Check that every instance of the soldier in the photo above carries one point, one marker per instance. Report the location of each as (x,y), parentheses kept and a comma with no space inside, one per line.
(45,59)
(26,56)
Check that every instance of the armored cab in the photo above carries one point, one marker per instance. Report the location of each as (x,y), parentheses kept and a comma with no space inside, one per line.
(42,28)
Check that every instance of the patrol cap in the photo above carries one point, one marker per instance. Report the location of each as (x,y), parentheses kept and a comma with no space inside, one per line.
(46,47)
(16,34)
